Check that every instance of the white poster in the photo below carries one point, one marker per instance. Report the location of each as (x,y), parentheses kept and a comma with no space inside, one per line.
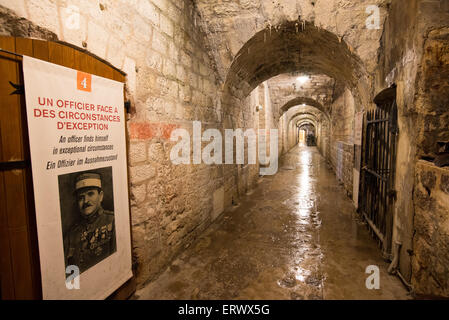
(78,155)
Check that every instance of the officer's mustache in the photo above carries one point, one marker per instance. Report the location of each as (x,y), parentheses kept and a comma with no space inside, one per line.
(86,205)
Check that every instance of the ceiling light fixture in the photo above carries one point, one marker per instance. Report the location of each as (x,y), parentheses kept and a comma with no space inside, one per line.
(302,79)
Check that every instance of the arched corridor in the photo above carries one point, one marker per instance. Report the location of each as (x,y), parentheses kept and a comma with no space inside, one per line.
(251,149)
(296,236)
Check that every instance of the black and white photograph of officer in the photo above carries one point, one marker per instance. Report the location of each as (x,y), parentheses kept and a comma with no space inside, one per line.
(89,227)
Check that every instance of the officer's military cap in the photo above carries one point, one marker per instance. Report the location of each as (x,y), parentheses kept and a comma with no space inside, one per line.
(87,180)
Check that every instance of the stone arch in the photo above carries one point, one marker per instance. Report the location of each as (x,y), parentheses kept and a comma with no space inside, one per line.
(299,109)
(300,117)
(291,128)
(290,48)
(302,123)
(308,126)
(298,120)
(303,100)
(306,115)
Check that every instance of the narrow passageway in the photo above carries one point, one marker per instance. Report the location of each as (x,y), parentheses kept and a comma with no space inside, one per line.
(211,149)
(297,236)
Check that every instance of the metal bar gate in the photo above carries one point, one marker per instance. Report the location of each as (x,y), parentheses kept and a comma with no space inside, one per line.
(378,168)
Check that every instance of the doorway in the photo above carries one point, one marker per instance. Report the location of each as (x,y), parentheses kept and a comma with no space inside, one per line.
(378,168)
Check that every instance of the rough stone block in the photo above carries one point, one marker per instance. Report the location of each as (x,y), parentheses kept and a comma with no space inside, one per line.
(444,186)
(138,193)
(141,173)
(181,73)
(186,60)
(161,4)
(166,25)
(204,71)
(115,54)
(173,12)
(156,152)
(218,205)
(137,152)
(185,94)
(154,60)
(74,24)
(159,42)
(169,69)
(43,13)
(173,51)
(97,39)
(129,67)
(431,239)
(17,6)
(149,11)
(142,30)
(193,80)
(173,89)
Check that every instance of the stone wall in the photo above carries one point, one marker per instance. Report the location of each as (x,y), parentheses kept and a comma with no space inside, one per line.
(293,116)
(434,93)
(430,259)
(323,138)
(398,63)
(246,175)
(341,139)
(232,23)
(171,81)
(177,58)
(404,60)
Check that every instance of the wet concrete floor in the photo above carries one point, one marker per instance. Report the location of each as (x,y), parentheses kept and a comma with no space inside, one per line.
(297,236)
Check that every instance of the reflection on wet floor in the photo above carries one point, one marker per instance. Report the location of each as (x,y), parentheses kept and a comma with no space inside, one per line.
(296,236)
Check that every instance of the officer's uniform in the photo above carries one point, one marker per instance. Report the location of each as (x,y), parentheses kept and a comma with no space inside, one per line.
(93,238)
